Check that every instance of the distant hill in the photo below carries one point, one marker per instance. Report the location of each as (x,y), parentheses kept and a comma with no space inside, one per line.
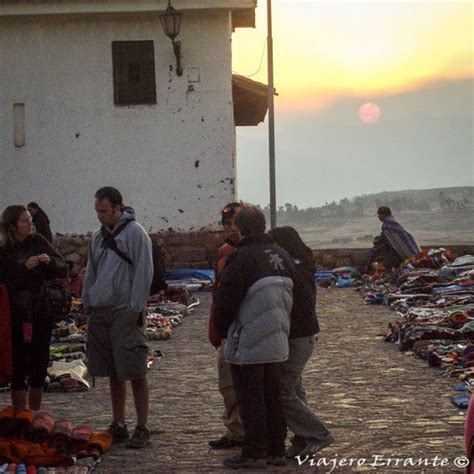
(431,199)
(439,216)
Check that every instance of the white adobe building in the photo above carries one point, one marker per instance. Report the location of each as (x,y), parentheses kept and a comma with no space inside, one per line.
(90,96)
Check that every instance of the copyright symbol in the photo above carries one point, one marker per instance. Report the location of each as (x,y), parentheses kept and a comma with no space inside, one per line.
(461,461)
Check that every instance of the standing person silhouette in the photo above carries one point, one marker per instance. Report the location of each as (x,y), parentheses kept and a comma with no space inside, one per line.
(310,433)
(234,433)
(252,311)
(40,221)
(116,287)
(27,260)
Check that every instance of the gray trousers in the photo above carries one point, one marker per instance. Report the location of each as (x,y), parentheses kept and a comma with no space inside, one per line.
(299,417)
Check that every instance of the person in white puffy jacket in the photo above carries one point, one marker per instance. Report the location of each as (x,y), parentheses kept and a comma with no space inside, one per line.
(252,310)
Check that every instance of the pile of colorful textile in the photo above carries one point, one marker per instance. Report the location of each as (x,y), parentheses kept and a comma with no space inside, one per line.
(74,329)
(341,277)
(160,322)
(67,370)
(35,442)
(435,305)
(166,311)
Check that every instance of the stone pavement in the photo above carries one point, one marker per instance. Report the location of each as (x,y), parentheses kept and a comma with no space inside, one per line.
(376,399)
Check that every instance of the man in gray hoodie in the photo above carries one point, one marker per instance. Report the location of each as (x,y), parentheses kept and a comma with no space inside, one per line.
(116,287)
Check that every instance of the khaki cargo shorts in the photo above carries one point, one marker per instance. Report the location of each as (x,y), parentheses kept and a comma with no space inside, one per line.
(116,346)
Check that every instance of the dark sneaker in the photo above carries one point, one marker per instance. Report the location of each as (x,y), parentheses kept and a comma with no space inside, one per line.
(224,443)
(119,432)
(277,461)
(297,445)
(292,452)
(140,437)
(239,462)
(314,445)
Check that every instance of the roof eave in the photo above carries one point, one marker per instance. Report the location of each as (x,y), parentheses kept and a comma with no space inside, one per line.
(64,7)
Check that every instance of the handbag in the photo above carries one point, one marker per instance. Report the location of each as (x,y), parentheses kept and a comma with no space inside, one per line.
(57,300)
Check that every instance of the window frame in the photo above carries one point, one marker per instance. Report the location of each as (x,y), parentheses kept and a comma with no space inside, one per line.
(124,65)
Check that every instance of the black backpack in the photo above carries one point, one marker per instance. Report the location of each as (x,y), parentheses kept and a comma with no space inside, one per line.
(158,282)
(159,270)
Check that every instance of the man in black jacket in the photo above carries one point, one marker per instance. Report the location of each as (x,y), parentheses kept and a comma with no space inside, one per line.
(252,310)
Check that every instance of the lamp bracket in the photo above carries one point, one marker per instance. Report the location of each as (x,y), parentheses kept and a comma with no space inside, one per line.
(177,54)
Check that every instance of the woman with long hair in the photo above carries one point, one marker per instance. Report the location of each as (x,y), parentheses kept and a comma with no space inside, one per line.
(40,221)
(27,260)
(310,433)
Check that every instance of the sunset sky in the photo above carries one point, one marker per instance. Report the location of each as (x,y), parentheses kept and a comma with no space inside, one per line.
(413,60)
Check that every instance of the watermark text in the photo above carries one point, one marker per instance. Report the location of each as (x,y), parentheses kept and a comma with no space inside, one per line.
(380,460)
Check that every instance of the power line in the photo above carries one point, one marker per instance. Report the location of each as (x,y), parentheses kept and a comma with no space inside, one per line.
(261,61)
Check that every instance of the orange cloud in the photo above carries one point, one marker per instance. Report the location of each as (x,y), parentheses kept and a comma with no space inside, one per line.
(324,51)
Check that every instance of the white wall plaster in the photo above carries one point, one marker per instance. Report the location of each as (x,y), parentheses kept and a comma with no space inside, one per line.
(77,140)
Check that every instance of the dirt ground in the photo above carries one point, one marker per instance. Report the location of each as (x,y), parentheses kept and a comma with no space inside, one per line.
(379,403)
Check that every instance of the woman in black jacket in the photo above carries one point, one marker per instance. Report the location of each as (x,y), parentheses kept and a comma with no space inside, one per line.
(310,433)
(27,260)
(40,221)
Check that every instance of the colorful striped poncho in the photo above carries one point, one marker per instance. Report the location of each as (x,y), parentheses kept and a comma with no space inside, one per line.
(401,240)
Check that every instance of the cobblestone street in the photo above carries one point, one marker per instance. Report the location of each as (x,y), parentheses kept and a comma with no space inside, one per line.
(376,399)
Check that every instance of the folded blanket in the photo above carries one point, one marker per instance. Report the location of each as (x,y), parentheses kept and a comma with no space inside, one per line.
(41,427)
(17,451)
(20,424)
(80,437)
(61,435)
(101,440)
(75,370)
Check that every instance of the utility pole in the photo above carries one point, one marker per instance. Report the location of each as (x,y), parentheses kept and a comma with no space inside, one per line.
(271,116)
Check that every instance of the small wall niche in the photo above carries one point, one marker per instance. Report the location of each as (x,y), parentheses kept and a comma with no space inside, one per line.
(19,125)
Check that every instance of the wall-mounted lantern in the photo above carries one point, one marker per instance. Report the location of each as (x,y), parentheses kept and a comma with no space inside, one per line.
(171,22)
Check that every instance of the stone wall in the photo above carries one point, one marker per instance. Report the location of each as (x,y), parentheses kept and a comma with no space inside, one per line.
(183,250)
(73,247)
(333,258)
(199,250)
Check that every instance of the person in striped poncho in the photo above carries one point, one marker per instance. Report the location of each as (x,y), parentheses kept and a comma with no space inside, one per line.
(402,242)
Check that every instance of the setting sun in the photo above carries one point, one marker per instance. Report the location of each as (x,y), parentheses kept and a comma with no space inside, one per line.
(369,113)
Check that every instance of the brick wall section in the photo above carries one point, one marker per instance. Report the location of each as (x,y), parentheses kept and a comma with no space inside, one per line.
(199,250)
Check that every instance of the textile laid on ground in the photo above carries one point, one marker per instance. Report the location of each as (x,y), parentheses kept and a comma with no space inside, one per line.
(37,440)
(68,375)
(341,277)
(190,278)
(67,370)
(161,320)
(434,297)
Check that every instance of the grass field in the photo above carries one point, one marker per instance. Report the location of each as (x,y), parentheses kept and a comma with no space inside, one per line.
(429,228)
